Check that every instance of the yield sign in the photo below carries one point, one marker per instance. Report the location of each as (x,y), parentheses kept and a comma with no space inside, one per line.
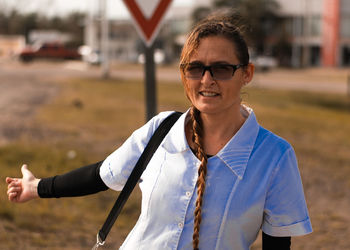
(147,16)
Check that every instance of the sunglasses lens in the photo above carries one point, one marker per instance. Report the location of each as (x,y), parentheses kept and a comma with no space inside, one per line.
(194,71)
(222,72)
(218,72)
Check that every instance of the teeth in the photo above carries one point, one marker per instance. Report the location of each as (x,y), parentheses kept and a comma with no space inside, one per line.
(208,94)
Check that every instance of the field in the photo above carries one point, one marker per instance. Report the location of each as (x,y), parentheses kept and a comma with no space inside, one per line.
(90,117)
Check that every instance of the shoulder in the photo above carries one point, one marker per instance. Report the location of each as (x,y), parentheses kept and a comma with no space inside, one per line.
(157,120)
(276,150)
(154,123)
(146,131)
(272,141)
(281,156)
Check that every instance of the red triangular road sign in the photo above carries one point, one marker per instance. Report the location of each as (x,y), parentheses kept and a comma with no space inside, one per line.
(147,27)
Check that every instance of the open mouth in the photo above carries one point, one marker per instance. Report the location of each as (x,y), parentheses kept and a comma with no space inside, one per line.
(208,94)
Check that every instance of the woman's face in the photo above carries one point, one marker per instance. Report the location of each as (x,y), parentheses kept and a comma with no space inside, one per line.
(215,96)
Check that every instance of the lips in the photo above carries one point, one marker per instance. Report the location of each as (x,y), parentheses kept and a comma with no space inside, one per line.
(208,93)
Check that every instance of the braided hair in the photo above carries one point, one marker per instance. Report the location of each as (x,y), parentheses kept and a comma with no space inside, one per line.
(202,171)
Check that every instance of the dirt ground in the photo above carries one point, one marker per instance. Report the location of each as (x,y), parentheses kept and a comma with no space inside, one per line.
(24,88)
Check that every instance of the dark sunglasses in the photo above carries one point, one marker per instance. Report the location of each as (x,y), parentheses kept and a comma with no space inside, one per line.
(217,71)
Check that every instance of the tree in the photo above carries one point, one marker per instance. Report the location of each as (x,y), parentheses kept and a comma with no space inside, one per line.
(16,23)
(72,24)
(261,17)
(200,13)
(258,16)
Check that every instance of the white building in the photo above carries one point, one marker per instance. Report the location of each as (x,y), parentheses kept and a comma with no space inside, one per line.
(317,32)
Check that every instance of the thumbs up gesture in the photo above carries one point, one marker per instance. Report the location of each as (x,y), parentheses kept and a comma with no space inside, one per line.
(22,189)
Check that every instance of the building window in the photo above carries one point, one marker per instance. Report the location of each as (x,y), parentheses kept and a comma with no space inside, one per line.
(315,55)
(315,26)
(346,56)
(298,26)
(345,18)
(345,7)
(344,26)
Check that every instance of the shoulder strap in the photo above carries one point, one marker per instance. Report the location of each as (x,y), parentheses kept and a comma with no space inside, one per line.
(135,175)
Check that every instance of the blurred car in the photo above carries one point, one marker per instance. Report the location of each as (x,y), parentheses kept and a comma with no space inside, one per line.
(89,55)
(159,57)
(264,63)
(94,58)
(48,51)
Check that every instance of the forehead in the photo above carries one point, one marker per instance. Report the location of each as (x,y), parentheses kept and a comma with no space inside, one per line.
(215,49)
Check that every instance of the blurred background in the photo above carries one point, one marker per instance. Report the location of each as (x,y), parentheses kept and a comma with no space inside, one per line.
(281,33)
(72,90)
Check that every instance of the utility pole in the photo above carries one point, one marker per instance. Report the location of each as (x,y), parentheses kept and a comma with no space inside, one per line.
(296,47)
(90,32)
(150,82)
(307,35)
(104,39)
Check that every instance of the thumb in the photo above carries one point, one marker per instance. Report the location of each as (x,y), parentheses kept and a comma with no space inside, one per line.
(25,171)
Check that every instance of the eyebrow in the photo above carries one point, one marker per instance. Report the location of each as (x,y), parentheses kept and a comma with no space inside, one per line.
(213,63)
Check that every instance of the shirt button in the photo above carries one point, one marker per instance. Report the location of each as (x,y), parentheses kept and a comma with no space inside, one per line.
(180,225)
(188,194)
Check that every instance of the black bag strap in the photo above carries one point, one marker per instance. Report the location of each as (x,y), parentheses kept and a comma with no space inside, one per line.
(135,175)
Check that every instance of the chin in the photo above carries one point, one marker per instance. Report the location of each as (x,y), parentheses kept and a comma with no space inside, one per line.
(218,109)
(208,110)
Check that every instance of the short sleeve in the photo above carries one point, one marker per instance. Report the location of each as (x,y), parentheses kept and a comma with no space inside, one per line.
(117,167)
(285,212)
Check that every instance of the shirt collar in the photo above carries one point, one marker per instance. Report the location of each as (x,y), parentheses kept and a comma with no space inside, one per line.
(237,151)
(235,154)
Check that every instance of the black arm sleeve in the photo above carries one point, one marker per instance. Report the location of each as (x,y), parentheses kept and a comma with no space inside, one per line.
(275,243)
(82,181)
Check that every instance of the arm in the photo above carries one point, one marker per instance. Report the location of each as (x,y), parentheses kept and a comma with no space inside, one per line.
(285,211)
(78,182)
(82,181)
(275,243)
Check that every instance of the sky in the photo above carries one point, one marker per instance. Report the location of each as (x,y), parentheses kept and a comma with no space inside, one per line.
(116,8)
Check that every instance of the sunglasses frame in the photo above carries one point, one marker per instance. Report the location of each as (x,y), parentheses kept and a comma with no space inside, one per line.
(209,68)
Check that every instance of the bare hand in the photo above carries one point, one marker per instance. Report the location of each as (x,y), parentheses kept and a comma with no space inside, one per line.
(22,189)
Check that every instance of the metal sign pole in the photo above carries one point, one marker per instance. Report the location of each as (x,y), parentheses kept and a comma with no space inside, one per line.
(348,85)
(150,83)
(147,26)
(104,39)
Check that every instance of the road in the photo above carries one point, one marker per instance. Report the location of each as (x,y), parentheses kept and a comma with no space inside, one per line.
(21,93)
(315,79)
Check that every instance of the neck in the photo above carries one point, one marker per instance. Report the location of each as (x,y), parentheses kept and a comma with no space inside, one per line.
(219,129)
(222,124)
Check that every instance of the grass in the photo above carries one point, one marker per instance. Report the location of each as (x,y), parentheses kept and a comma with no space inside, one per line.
(91,117)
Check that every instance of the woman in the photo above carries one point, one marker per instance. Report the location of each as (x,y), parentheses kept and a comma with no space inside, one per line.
(217,178)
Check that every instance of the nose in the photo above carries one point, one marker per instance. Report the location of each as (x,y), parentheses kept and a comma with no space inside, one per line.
(207,77)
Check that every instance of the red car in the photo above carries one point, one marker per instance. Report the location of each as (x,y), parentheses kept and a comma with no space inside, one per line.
(49,51)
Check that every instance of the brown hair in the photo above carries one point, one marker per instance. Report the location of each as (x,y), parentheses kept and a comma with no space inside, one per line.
(202,171)
(225,25)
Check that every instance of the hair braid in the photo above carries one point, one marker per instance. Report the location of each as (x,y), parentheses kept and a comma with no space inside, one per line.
(202,172)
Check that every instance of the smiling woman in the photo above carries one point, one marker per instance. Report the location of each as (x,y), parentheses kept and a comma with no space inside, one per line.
(216,90)
(217,178)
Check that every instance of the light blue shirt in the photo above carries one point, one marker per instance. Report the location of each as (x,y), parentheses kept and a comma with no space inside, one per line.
(253,183)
